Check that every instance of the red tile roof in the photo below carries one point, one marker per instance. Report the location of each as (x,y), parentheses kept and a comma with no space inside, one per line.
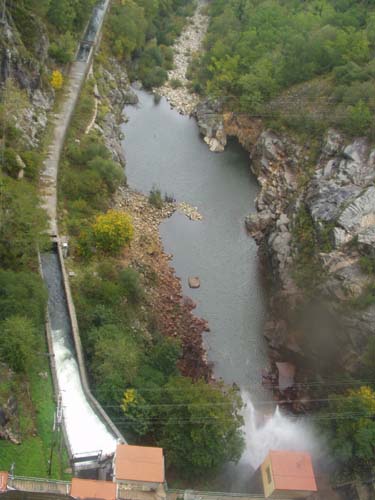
(292,470)
(88,488)
(3,481)
(139,463)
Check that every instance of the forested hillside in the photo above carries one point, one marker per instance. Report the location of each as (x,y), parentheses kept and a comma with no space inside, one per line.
(37,37)
(258,50)
(140,33)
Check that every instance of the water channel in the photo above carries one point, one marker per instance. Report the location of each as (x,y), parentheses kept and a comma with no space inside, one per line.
(86,433)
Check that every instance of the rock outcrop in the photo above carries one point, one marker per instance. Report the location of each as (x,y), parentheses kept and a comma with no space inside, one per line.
(23,67)
(337,192)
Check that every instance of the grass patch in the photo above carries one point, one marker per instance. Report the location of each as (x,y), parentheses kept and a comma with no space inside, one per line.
(36,414)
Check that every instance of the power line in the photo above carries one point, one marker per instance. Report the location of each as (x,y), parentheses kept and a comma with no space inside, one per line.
(203,420)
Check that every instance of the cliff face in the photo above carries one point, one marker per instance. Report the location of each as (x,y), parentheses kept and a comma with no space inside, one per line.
(23,68)
(325,194)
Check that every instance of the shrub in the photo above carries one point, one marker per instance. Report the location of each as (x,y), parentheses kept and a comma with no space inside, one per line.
(175,83)
(112,231)
(129,282)
(367,264)
(111,172)
(62,50)
(10,163)
(33,161)
(155,198)
(359,119)
(154,77)
(57,79)
(18,341)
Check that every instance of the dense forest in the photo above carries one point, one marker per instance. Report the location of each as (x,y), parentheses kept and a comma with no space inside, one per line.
(317,56)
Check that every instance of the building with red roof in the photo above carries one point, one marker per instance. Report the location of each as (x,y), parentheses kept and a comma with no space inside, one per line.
(288,474)
(88,488)
(3,481)
(139,466)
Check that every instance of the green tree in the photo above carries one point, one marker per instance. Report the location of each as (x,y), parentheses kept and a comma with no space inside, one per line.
(61,13)
(201,427)
(18,343)
(137,412)
(22,224)
(127,27)
(16,288)
(115,362)
(351,428)
(359,119)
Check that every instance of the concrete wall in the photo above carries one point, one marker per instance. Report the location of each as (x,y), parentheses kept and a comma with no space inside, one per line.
(79,353)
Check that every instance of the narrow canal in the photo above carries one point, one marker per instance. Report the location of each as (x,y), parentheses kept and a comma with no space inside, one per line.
(85,431)
(164,150)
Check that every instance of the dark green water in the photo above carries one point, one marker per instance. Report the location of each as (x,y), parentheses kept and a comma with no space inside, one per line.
(164,149)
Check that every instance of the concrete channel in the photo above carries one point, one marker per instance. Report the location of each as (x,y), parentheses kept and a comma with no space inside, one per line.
(90,435)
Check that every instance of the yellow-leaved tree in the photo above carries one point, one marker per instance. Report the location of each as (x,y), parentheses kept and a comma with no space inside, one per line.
(112,231)
(57,79)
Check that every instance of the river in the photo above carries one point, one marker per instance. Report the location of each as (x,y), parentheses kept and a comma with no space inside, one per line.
(164,150)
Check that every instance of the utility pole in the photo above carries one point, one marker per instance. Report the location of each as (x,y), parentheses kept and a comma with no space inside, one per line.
(56,428)
(3,11)
(11,472)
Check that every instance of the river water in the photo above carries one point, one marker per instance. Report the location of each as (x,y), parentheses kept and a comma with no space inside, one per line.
(164,150)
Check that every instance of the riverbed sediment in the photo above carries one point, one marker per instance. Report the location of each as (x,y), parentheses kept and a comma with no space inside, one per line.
(172,311)
(189,43)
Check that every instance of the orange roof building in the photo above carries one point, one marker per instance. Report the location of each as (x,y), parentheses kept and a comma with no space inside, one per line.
(142,465)
(288,474)
(3,481)
(88,488)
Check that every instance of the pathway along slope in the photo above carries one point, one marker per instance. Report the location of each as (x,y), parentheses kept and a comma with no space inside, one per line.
(87,427)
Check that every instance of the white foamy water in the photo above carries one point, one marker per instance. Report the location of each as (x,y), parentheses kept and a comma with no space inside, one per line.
(277,432)
(86,432)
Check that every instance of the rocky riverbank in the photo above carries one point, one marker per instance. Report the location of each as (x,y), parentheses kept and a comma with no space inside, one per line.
(190,41)
(322,300)
(173,312)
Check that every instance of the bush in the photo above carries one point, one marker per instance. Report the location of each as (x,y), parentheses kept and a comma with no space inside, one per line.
(18,342)
(62,50)
(154,77)
(10,163)
(57,79)
(367,264)
(366,298)
(155,198)
(359,119)
(129,282)
(111,172)
(16,288)
(33,161)
(175,83)
(112,231)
